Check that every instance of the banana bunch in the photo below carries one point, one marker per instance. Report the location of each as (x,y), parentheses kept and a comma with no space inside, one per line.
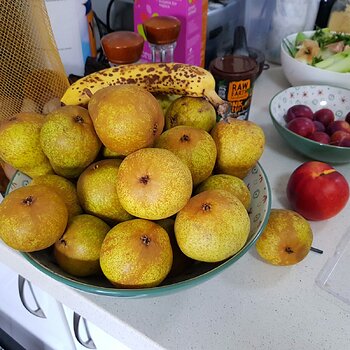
(165,78)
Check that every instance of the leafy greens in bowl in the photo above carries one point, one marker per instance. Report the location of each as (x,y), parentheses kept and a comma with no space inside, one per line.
(322,49)
(316,57)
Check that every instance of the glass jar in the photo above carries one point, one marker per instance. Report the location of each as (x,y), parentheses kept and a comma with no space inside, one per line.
(339,18)
(122,47)
(162,33)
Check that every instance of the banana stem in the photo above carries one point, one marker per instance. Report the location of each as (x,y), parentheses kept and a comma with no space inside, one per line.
(213,98)
(222,107)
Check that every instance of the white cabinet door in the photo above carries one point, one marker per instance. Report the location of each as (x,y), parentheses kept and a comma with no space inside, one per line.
(88,336)
(31,316)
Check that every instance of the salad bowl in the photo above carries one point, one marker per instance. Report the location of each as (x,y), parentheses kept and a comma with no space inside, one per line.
(301,73)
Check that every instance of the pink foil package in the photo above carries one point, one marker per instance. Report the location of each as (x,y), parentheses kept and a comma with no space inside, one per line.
(190,46)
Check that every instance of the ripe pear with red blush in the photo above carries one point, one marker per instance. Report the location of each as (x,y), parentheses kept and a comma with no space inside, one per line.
(317,191)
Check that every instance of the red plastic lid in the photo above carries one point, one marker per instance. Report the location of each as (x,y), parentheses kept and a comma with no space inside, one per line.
(161,30)
(122,47)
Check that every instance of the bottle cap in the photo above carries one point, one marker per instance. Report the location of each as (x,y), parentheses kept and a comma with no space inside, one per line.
(234,67)
(162,30)
(122,47)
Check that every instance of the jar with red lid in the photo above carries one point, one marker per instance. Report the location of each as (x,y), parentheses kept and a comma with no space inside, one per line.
(162,33)
(122,47)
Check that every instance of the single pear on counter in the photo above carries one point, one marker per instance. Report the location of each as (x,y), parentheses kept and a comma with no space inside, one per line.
(97,191)
(65,188)
(286,239)
(69,140)
(78,250)
(20,144)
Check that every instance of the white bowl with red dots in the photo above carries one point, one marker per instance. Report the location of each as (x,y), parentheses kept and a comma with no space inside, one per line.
(314,120)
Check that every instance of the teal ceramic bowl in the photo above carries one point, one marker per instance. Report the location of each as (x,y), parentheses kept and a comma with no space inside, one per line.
(316,97)
(196,273)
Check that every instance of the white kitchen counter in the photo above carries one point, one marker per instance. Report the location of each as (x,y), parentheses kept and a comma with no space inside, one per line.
(250,305)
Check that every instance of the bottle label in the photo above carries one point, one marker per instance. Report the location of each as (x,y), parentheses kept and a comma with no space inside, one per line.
(238,94)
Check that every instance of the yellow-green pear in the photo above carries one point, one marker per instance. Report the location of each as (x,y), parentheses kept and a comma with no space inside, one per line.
(32,218)
(78,250)
(191,111)
(153,183)
(20,144)
(240,144)
(136,254)
(229,183)
(65,188)
(69,140)
(107,153)
(286,239)
(126,117)
(213,226)
(194,146)
(97,191)
(165,100)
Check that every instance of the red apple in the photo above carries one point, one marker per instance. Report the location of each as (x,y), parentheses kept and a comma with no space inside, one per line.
(317,191)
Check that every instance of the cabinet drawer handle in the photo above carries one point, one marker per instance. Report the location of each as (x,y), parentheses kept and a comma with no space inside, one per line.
(38,312)
(89,343)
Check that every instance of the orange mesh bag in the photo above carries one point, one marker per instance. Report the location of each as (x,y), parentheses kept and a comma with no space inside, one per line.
(31,71)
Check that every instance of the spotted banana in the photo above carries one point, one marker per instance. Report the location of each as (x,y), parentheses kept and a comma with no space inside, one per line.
(165,78)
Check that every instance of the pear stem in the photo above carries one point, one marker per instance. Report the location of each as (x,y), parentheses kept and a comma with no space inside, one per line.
(316,250)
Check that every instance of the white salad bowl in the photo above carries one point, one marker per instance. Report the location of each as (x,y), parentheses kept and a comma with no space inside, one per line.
(299,73)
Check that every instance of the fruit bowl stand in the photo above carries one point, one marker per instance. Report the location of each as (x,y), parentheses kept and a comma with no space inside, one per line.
(251,304)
